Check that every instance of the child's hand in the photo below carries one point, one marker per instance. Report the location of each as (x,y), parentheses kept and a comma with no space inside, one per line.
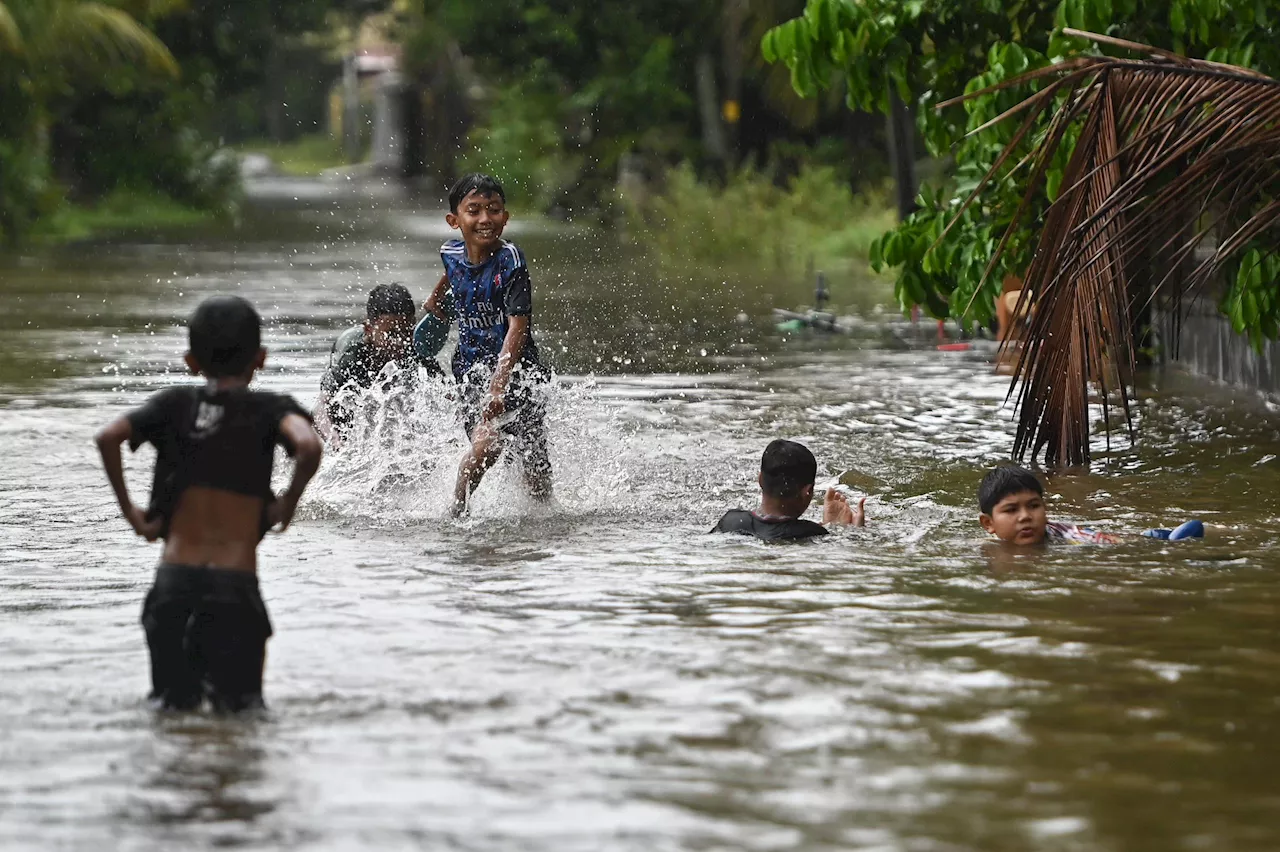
(836,510)
(432,306)
(137,518)
(494,407)
(280,511)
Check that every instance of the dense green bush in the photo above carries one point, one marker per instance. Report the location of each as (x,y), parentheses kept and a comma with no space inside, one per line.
(143,139)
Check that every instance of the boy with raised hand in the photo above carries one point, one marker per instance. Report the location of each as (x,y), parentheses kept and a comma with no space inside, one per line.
(500,378)
(788,473)
(387,338)
(1012,508)
(211,503)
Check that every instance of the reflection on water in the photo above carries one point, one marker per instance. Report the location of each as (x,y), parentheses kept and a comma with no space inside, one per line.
(203,780)
(602,674)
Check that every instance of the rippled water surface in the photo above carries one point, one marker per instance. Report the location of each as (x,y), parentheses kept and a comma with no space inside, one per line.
(604,675)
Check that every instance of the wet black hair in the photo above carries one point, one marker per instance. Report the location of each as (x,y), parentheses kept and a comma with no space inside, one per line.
(484,184)
(1003,481)
(391,299)
(786,467)
(225,333)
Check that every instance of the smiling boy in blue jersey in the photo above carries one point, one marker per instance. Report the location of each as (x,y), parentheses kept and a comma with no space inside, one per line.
(496,363)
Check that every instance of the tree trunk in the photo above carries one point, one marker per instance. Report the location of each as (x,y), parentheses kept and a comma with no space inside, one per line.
(713,141)
(415,130)
(350,108)
(902,154)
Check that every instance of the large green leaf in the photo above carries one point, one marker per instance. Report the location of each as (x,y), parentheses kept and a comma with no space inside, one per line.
(100,35)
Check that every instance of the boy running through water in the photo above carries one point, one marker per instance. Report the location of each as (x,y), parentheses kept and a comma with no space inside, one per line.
(211,503)
(496,363)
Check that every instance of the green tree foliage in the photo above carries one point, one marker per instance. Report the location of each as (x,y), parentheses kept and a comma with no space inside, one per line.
(573,86)
(104,94)
(235,52)
(49,49)
(934,50)
(569,90)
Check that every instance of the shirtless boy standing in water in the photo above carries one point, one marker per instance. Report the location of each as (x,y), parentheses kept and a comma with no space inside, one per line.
(211,502)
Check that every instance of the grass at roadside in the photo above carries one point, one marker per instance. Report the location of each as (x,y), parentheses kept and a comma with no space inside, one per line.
(776,238)
(304,157)
(121,211)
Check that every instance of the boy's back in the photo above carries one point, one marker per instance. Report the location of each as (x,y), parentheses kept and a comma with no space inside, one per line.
(222,440)
(211,502)
(770,529)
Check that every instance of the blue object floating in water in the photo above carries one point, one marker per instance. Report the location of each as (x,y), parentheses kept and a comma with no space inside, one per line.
(1191,529)
(431,333)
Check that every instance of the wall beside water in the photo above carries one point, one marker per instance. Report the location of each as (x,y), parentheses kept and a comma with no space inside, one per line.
(1208,346)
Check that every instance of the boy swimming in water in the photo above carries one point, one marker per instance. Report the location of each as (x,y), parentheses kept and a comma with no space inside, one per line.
(788,473)
(387,338)
(1011,502)
(211,503)
(496,364)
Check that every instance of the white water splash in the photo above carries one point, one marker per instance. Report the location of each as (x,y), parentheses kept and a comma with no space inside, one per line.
(398,460)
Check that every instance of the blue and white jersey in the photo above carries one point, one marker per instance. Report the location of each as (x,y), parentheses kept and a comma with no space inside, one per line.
(486,296)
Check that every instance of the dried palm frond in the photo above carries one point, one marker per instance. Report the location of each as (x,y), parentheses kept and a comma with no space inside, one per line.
(1169,149)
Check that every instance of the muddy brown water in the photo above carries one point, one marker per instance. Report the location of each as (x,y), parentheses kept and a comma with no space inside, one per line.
(604,675)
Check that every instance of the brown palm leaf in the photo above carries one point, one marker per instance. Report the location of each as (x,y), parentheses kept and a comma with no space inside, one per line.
(1169,150)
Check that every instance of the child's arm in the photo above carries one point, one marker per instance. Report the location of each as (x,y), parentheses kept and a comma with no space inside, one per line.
(512,349)
(320,416)
(836,510)
(109,440)
(297,433)
(433,303)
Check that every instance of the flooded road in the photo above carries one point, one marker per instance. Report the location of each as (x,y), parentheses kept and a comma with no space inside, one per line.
(604,675)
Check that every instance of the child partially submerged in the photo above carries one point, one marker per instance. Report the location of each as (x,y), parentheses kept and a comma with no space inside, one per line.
(788,472)
(1011,501)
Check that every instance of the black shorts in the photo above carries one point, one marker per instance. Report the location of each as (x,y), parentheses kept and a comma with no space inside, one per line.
(524,417)
(207,631)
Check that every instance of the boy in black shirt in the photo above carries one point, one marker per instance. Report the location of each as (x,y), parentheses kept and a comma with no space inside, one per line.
(388,337)
(788,472)
(211,502)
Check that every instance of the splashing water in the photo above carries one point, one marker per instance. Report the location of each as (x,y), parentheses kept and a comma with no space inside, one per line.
(600,673)
(397,462)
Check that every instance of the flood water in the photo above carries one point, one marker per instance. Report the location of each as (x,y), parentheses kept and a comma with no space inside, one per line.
(604,675)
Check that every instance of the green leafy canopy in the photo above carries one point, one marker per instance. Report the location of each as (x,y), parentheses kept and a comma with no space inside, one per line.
(933,50)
